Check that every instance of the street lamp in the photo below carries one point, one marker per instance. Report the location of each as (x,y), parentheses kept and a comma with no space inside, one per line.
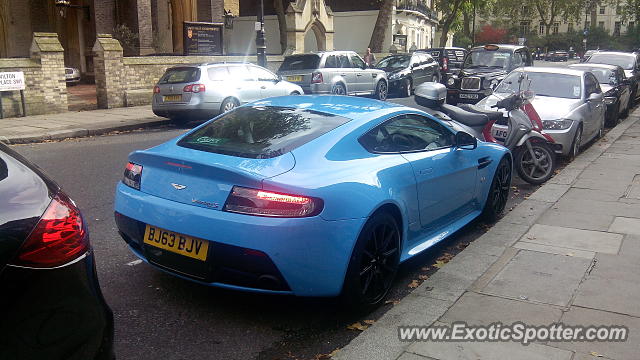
(66,4)
(228,19)
(260,41)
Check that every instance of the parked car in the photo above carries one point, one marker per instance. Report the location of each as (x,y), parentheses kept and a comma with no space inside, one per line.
(71,76)
(51,305)
(449,58)
(203,91)
(406,71)
(304,196)
(587,54)
(569,102)
(559,55)
(334,72)
(615,86)
(630,62)
(483,68)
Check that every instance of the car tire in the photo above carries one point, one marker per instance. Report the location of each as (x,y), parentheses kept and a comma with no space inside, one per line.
(498,192)
(615,117)
(295,93)
(542,152)
(625,113)
(229,104)
(338,89)
(381,90)
(576,144)
(407,85)
(371,271)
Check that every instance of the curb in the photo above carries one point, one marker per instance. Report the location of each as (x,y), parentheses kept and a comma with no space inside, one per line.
(474,265)
(80,132)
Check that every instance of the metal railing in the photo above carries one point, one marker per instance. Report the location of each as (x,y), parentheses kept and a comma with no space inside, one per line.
(419,6)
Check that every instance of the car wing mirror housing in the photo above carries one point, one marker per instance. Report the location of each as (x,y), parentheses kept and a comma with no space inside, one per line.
(595,97)
(466,141)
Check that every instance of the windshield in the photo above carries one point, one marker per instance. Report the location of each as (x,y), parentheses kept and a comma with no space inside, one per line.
(624,61)
(484,58)
(604,76)
(260,132)
(544,84)
(180,75)
(394,62)
(300,62)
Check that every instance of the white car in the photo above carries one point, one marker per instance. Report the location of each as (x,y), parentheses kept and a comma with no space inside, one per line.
(570,103)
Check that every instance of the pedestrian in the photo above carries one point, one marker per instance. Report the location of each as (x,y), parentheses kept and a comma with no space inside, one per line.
(369,58)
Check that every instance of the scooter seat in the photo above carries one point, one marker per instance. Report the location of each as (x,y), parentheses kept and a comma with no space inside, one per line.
(465,117)
(491,114)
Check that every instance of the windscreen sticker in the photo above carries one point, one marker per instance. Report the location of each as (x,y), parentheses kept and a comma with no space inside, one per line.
(210,141)
(576,91)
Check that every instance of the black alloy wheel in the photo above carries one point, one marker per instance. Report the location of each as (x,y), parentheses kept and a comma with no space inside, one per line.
(499,191)
(406,87)
(374,263)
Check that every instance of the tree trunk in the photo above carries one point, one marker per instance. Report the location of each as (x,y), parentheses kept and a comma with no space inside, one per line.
(594,14)
(382,23)
(282,24)
(448,21)
(466,26)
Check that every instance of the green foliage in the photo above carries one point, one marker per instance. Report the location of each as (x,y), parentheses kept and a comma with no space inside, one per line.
(461,40)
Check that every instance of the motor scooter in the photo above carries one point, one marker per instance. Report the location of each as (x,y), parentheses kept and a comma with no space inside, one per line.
(533,150)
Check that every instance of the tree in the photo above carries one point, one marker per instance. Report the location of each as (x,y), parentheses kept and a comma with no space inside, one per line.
(450,12)
(548,11)
(382,23)
(489,34)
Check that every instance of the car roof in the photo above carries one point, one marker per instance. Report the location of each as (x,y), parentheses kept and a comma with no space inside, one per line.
(502,46)
(553,70)
(616,53)
(593,65)
(352,107)
(443,48)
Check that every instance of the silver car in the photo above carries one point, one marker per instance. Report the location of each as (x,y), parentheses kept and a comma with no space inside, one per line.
(569,102)
(203,91)
(71,75)
(334,72)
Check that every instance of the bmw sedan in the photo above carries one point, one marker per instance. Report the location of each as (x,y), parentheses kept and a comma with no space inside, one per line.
(203,91)
(51,306)
(307,195)
(570,103)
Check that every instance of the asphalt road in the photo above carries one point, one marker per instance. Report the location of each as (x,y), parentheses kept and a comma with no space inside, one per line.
(158,316)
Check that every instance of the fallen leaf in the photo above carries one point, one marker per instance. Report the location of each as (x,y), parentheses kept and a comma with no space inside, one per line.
(393,302)
(414,284)
(327,356)
(357,326)
(593,353)
(423,277)
(369,322)
(439,264)
(425,268)
(531,237)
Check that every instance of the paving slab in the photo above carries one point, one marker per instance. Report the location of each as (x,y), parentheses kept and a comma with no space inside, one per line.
(624,225)
(587,240)
(630,246)
(526,213)
(554,250)
(539,277)
(501,234)
(409,356)
(550,193)
(598,207)
(488,351)
(480,309)
(588,221)
(627,350)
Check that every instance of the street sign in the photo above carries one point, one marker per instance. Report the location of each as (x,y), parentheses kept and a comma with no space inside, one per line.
(522,41)
(12,81)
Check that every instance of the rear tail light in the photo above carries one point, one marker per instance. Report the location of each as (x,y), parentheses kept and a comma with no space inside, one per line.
(59,237)
(267,203)
(156,89)
(316,78)
(195,88)
(445,64)
(132,175)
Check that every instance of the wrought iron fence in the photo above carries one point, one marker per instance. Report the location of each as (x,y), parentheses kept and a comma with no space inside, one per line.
(417,5)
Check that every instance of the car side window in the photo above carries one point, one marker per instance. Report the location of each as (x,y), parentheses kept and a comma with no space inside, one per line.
(591,85)
(343,60)
(407,133)
(428,59)
(262,74)
(218,73)
(240,72)
(357,62)
(518,61)
(331,62)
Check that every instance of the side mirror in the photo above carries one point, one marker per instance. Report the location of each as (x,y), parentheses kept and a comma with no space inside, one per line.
(595,97)
(365,66)
(466,141)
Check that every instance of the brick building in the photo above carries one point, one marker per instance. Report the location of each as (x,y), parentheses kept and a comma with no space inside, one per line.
(142,26)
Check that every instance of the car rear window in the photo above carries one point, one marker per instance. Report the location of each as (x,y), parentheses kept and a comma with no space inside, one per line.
(624,61)
(261,132)
(180,75)
(300,62)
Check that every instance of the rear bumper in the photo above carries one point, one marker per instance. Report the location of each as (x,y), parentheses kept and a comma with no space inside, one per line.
(310,255)
(195,107)
(54,313)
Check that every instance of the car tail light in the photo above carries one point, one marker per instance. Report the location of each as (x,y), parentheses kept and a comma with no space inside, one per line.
(132,175)
(195,88)
(268,203)
(59,237)
(156,89)
(445,63)
(316,78)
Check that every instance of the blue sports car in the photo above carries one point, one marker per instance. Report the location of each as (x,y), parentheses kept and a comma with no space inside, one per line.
(307,195)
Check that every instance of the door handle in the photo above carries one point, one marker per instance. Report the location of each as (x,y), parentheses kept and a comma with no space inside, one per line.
(426,171)
(343,74)
(484,162)
(358,74)
(263,87)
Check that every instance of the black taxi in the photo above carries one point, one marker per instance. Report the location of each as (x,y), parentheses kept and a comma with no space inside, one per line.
(483,68)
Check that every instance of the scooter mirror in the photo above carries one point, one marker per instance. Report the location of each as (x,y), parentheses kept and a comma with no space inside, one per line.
(528,94)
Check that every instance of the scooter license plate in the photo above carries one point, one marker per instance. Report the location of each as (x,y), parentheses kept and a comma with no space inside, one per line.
(499,132)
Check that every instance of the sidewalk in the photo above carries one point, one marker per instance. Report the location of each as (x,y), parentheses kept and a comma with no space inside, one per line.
(19,130)
(570,253)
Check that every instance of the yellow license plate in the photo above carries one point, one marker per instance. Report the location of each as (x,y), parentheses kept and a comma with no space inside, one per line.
(176,243)
(294,78)
(173,98)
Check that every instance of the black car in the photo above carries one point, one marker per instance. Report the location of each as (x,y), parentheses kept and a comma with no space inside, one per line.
(406,71)
(630,62)
(449,58)
(483,68)
(615,87)
(559,55)
(51,306)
